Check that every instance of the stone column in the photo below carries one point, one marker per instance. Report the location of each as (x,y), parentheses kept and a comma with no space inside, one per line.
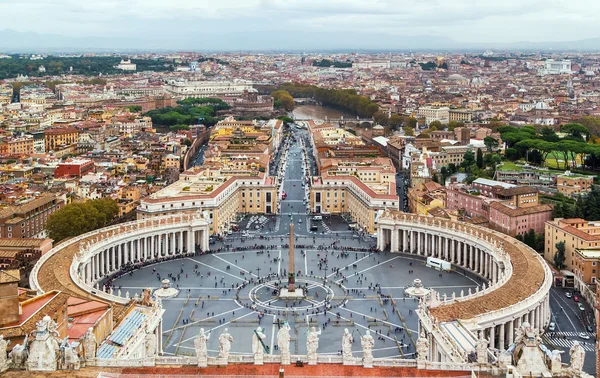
(501,340)
(404,240)
(493,337)
(511,332)
(152,245)
(180,246)
(418,243)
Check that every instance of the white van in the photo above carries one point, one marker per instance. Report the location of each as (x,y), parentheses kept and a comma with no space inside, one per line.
(552,327)
(317,218)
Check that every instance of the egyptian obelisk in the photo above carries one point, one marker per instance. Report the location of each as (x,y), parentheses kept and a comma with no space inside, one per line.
(291,268)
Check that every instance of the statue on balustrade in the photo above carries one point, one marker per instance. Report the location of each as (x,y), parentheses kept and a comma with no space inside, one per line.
(577,354)
(201,349)
(482,349)
(347,341)
(68,357)
(258,349)
(147,297)
(89,344)
(18,355)
(283,342)
(44,349)
(312,344)
(150,344)
(422,348)
(225,341)
(3,348)
(367,342)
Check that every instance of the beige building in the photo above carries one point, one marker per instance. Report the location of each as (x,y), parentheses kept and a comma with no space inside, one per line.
(582,249)
(222,198)
(569,183)
(360,188)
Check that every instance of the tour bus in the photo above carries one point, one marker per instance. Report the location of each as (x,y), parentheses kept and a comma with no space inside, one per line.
(438,264)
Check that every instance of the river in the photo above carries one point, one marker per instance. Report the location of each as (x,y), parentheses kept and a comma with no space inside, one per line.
(317,112)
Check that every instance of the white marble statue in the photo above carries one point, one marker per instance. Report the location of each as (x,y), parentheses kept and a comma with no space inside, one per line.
(150,345)
(3,348)
(201,349)
(257,346)
(422,348)
(225,340)
(68,357)
(347,341)
(18,355)
(367,342)
(556,361)
(482,349)
(89,344)
(577,354)
(312,344)
(283,341)
(44,349)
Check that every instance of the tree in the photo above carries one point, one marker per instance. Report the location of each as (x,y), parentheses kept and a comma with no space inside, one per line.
(468,161)
(285,100)
(491,143)
(479,158)
(412,122)
(80,217)
(435,125)
(559,257)
(395,121)
(408,131)
(454,124)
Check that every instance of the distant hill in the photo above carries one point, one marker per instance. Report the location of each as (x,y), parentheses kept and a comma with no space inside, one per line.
(13,41)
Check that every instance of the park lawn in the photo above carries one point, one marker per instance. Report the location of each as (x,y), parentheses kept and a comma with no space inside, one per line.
(509,166)
(555,158)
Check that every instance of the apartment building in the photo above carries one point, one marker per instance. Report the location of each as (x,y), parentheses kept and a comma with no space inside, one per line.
(582,249)
(220,198)
(55,138)
(569,183)
(16,147)
(28,219)
(434,113)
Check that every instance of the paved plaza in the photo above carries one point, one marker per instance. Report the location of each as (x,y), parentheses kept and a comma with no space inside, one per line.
(346,284)
(209,297)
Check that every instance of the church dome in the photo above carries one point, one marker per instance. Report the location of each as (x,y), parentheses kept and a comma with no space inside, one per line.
(457,77)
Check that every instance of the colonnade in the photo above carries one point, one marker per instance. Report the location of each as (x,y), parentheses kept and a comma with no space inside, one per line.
(472,254)
(139,248)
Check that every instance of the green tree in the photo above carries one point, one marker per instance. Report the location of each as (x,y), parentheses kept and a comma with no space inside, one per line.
(80,217)
(491,143)
(285,99)
(408,131)
(479,158)
(559,257)
(286,119)
(468,161)
(395,121)
(412,122)
(436,125)
(454,124)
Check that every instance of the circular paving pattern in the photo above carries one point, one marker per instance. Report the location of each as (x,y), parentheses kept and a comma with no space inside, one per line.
(363,291)
(318,297)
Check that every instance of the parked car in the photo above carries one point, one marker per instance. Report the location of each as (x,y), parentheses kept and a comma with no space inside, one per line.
(568,294)
(552,327)
(584,336)
(581,306)
(589,328)
(576,298)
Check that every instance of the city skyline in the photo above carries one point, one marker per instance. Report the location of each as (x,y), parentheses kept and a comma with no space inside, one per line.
(301,25)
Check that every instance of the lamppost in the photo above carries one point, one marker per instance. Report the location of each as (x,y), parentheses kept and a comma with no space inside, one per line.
(258,270)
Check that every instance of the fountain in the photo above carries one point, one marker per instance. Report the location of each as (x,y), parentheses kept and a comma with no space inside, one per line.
(166,291)
(417,290)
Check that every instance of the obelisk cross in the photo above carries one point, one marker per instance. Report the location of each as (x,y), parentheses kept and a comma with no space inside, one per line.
(291,268)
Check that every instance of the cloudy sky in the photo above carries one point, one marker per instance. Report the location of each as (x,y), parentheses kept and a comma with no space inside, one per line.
(308,22)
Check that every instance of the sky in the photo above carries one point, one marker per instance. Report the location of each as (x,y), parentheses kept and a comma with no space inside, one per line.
(305,22)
